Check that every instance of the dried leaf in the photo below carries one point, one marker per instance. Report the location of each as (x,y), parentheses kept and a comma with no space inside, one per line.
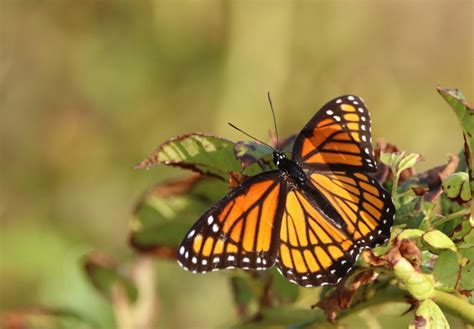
(342,296)
(434,178)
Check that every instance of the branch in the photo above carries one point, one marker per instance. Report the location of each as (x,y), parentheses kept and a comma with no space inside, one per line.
(454,305)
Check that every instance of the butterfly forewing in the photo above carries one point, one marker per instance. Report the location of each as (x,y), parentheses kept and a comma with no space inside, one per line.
(239,230)
(338,137)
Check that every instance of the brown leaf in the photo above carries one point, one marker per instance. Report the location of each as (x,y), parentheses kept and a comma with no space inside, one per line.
(235,179)
(343,295)
(177,186)
(161,251)
(434,177)
(410,251)
(282,144)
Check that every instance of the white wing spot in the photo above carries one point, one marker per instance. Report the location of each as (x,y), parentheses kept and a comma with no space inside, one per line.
(333,271)
(318,276)
(194,260)
(339,101)
(215,228)
(362,127)
(364,138)
(351,98)
(379,231)
(361,110)
(215,260)
(366,150)
(304,277)
(246,260)
(343,262)
(230,258)
(181,250)
(259,260)
(204,262)
(210,219)
(362,118)
(191,234)
(371,237)
(329,112)
(308,285)
(186,255)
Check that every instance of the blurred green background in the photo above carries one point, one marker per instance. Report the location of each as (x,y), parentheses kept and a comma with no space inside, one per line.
(90,88)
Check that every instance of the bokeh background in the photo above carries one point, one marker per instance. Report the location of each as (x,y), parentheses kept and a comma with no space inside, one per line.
(90,88)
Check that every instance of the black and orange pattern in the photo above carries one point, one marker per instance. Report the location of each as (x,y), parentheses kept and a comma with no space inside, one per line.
(338,137)
(312,229)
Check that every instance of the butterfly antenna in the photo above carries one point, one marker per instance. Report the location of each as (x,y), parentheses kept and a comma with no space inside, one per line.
(248,135)
(274,119)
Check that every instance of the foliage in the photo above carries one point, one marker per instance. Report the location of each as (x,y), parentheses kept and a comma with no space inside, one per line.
(427,263)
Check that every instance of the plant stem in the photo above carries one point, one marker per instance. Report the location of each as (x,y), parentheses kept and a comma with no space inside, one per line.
(460,213)
(389,295)
(396,177)
(455,305)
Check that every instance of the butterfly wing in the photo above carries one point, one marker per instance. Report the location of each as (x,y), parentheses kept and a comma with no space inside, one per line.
(320,241)
(338,137)
(239,231)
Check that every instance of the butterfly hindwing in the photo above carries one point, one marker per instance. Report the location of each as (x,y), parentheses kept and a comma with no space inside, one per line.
(239,230)
(338,137)
(363,204)
(313,251)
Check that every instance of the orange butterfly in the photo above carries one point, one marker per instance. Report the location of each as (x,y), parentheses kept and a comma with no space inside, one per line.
(311,217)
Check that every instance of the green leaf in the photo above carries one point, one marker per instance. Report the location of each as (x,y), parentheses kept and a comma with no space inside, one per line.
(468,240)
(428,315)
(456,187)
(284,317)
(410,234)
(284,290)
(465,115)
(105,277)
(438,240)
(446,269)
(461,231)
(41,318)
(467,272)
(391,159)
(205,154)
(254,157)
(167,211)
(242,292)
(408,161)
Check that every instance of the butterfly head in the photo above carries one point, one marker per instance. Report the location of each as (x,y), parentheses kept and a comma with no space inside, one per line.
(278,158)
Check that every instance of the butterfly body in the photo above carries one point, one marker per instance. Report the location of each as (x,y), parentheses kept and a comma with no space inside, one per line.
(311,217)
(290,168)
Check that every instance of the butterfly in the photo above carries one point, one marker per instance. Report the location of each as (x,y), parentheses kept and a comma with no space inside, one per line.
(311,217)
